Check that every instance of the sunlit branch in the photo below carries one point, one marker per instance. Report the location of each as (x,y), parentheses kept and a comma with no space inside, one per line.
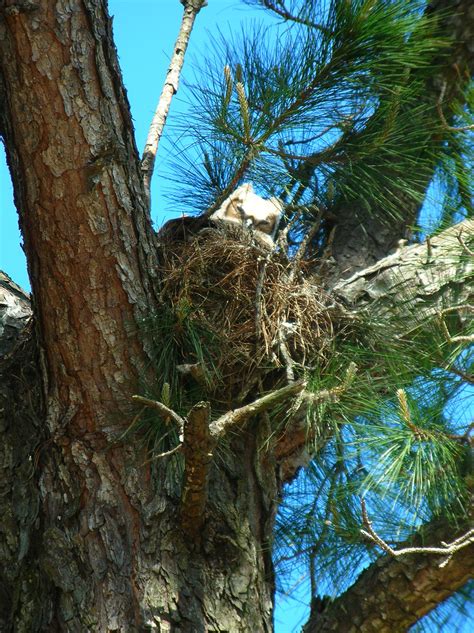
(170,88)
(446,550)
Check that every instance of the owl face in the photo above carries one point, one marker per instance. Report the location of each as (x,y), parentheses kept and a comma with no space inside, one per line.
(244,207)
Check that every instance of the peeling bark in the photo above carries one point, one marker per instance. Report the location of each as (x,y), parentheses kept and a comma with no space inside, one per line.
(416,282)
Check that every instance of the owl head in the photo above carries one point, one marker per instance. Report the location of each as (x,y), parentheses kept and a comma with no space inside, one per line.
(244,207)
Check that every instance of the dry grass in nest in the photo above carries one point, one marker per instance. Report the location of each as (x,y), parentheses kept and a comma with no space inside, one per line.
(259,320)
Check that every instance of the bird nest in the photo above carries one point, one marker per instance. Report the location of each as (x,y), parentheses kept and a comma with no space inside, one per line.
(242,311)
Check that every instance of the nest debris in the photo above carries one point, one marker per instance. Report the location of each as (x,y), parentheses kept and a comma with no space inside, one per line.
(259,316)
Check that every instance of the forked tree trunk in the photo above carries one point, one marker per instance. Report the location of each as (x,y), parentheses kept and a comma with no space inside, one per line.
(91,535)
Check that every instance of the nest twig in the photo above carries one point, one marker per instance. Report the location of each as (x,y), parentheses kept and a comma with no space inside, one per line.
(217,276)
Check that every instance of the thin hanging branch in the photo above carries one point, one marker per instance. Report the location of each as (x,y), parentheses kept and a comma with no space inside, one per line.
(170,88)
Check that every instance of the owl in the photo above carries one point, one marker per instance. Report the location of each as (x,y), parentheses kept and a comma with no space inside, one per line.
(258,214)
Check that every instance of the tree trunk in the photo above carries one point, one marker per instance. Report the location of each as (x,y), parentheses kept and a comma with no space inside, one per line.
(393,594)
(92,537)
(124,556)
(92,530)
(93,534)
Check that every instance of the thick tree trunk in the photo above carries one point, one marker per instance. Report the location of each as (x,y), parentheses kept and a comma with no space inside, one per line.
(92,530)
(92,533)
(125,559)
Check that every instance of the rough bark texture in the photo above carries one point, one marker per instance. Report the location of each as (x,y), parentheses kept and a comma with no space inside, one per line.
(417,282)
(77,186)
(92,538)
(100,545)
(393,594)
(220,580)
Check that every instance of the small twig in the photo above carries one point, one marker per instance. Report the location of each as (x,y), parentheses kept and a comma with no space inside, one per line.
(285,352)
(462,374)
(469,338)
(258,300)
(282,241)
(162,408)
(285,14)
(429,248)
(170,88)
(176,449)
(333,394)
(463,244)
(237,417)
(465,438)
(446,550)
(295,265)
(439,105)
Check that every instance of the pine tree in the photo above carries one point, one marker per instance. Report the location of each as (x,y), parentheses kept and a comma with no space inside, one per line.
(190,422)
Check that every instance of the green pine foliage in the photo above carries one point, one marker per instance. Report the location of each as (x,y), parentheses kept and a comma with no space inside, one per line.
(330,109)
(320,113)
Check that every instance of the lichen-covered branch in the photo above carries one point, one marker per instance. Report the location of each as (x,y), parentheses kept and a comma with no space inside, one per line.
(416,282)
(235,419)
(198,445)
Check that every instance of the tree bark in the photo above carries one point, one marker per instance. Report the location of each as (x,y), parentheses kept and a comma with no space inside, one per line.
(100,545)
(92,537)
(417,282)
(223,575)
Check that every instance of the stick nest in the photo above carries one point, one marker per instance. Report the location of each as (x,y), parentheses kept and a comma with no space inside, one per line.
(251,312)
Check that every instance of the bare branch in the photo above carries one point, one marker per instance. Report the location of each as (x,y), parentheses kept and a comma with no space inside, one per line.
(439,105)
(305,243)
(165,411)
(173,451)
(237,417)
(446,550)
(455,339)
(197,447)
(280,9)
(463,243)
(170,88)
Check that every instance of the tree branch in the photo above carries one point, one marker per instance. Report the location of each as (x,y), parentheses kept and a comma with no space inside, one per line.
(280,9)
(170,88)
(446,550)
(165,411)
(237,417)
(397,592)
(426,287)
